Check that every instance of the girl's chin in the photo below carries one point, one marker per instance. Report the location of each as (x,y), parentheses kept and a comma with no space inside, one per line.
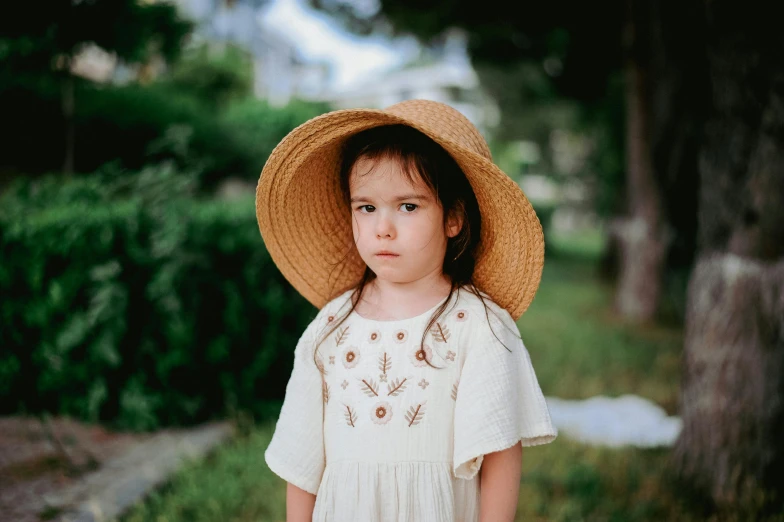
(388,273)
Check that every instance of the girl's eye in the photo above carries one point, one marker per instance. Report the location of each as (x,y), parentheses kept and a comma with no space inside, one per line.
(410,207)
(366,208)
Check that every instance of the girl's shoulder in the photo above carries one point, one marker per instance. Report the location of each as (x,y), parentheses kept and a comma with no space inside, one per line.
(483,319)
(338,304)
(483,310)
(330,312)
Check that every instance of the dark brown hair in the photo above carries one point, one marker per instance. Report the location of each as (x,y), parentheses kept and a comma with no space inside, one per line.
(420,157)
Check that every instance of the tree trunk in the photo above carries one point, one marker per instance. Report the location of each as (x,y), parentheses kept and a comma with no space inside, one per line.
(731,448)
(666,82)
(640,235)
(68,106)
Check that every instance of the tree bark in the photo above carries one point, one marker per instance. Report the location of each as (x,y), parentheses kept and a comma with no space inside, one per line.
(666,81)
(640,234)
(731,448)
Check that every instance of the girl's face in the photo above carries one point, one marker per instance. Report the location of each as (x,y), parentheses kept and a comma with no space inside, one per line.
(398,226)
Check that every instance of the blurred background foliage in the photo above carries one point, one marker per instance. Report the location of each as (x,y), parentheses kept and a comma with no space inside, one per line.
(132,294)
(212,127)
(127,299)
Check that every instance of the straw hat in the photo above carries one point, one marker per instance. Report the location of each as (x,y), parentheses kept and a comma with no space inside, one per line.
(307,229)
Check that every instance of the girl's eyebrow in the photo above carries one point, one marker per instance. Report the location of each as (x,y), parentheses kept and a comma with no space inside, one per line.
(399,198)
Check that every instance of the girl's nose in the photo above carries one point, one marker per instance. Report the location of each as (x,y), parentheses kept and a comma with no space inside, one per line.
(385,228)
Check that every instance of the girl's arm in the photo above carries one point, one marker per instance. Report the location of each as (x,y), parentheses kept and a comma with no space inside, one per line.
(499,484)
(299,504)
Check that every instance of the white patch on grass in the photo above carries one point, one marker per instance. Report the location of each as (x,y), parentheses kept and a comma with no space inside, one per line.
(628,420)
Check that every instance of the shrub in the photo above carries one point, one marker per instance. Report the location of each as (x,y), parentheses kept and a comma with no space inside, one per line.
(128,301)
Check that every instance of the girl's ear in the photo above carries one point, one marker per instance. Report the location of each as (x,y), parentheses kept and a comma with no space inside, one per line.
(454,222)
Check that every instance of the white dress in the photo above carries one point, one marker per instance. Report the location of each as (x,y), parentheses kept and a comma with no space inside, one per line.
(383,436)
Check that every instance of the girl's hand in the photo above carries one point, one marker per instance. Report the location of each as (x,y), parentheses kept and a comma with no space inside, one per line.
(499,484)
(299,504)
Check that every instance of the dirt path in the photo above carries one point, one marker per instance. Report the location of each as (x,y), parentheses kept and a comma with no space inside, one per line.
(35,484)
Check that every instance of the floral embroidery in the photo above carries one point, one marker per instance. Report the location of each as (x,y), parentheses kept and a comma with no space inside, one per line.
(351,357)
(396,387)
(420,356)
(344,384)
(454,390)
(440,333)
(340,337)
(382,412)
(374,337)
(384,364)
(415,414)
(331,359)
(401,336)
(350,415)
(424,384)
(461,315)
(450,355)
(369,387)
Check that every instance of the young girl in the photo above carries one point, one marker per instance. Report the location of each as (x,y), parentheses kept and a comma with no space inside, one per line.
(412,393)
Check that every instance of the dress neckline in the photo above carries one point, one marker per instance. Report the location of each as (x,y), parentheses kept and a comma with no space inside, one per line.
(396,321)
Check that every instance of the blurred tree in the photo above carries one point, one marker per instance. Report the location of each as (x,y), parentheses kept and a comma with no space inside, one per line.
(664,68)
(542,52)
(732,401)
(213,73)
(40,40)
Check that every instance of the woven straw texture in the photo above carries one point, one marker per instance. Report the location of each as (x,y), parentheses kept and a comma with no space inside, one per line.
(307,229)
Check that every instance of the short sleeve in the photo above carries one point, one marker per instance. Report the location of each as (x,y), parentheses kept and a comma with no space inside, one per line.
(296,451)
(499,401)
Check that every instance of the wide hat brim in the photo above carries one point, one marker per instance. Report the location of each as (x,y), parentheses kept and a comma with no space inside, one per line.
(306,225)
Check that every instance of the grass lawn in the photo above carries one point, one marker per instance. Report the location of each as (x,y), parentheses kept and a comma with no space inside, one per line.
(579,349)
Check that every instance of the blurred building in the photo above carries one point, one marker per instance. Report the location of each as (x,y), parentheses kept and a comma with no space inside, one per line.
(279,71)
(93,63)
(445,75)
(445,82)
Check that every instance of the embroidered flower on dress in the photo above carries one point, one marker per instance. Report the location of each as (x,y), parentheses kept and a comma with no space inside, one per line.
(461,315)
(344,384)
(424,384)
(331,359)
(420,356)
(401,336)
(374,337)
(351,357)
(382,377)
(382,412)
(450,355)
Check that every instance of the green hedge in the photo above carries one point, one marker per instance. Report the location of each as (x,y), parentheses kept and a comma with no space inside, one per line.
(127,301)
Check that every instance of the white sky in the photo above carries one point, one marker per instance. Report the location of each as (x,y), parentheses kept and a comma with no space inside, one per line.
(317,37)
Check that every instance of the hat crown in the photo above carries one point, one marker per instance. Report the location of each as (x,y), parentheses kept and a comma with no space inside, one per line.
(442,120)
